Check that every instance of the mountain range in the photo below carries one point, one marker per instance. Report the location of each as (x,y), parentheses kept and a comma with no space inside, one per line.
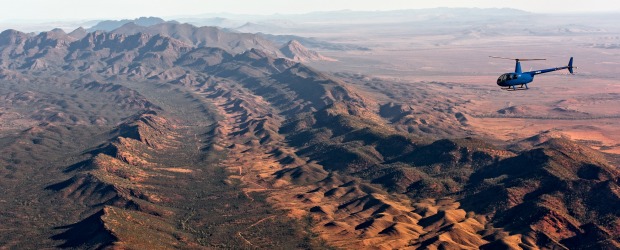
(176,136)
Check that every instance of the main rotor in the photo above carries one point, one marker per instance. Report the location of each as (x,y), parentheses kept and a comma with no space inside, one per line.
(519,59)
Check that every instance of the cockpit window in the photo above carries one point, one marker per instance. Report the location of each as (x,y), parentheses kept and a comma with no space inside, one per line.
(506,77)
(503,78)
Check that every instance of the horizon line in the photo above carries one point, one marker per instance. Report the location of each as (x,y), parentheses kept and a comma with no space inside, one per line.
(224,13)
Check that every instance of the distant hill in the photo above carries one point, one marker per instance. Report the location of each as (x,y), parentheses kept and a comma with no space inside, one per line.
(109,25)
(220,22)
(364,16)
(312,43)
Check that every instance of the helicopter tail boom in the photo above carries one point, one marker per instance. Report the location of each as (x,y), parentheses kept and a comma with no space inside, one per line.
(570,68)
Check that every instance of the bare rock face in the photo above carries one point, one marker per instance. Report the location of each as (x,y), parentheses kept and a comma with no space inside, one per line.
(296,51)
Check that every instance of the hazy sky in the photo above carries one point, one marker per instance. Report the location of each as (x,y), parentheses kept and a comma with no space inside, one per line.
(117,9)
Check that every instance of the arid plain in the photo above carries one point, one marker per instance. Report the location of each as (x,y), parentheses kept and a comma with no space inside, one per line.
(455,64)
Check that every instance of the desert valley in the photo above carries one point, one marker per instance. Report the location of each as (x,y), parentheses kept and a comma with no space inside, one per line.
(327,130)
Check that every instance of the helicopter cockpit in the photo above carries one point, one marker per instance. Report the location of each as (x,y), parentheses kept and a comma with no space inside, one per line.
(506,77)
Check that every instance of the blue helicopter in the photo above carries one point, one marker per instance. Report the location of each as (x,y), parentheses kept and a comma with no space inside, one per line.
(511,80)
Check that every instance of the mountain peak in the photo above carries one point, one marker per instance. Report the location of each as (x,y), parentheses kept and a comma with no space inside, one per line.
(294,43)
(11,36)
(58,31)
(296,51)
(55,34)
(78,33)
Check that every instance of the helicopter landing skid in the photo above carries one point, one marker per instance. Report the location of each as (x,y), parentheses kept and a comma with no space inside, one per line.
(512,89)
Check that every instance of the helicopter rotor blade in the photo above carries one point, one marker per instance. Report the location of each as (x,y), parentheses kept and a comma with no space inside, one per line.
(499,57)
(518,59)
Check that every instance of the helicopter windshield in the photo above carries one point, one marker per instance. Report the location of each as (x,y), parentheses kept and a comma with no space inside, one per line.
(506,77)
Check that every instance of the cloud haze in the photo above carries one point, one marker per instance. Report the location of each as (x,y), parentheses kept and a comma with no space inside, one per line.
(116,9)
